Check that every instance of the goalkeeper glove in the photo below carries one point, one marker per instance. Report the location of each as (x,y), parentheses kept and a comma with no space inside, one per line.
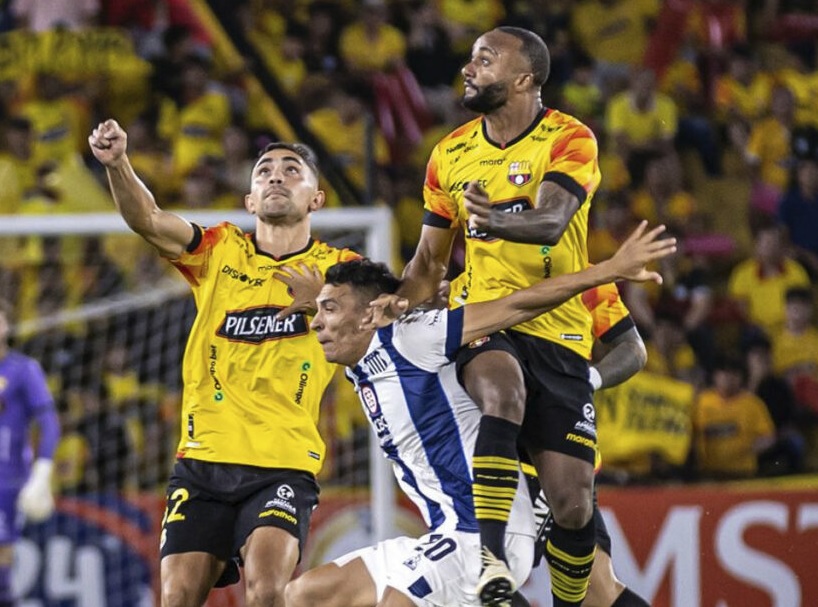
(35,500)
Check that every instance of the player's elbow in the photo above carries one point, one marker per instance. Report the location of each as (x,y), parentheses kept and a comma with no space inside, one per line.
(640,354)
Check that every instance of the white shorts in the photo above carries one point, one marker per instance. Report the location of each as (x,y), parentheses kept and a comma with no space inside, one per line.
(438,569)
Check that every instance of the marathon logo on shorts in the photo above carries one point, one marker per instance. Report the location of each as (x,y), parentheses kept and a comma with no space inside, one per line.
(283,500)
(257,325)
(587,426)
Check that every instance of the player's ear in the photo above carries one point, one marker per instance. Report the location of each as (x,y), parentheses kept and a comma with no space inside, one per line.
(249,204)
(524,81)
(318,200)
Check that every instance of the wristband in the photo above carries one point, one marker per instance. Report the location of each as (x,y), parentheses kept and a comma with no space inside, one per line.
(594,378)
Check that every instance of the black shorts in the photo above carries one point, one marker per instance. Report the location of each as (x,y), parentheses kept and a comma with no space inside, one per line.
(559,412)
(495,341)
(213,507)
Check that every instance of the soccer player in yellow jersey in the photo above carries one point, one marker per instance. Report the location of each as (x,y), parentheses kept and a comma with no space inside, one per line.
(519,180)
(244,482)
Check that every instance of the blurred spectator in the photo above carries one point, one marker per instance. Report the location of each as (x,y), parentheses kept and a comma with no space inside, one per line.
(731,425)
(766,150)
(57,119)
(195,123)
(284,58)
(759,284)
(110,460)
(786,456)
(683,84)
(371,43)
(615,34)
(146,153)
(321,52)
(669,354)
(641,123)
(795,345)
(202,188)
(687,292)
(429,49)
(742,94)
(662,199)
(801,78)
(341,127)
(17,167)
(581,96)
(239,159)
(168,62)
(99,275)
(714,26)
(614,223)
(468,19)
(799,208)
(40,15)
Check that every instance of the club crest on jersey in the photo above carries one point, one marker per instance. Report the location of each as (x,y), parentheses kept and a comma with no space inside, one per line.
(258,325)
(519,173)
(370,399)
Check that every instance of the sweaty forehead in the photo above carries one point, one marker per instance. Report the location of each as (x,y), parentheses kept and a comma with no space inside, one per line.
(280,155)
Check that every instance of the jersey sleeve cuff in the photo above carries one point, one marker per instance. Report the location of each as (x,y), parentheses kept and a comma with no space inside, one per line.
(454,331)
(436,221)
(623,326)
(569,183)
(196,240)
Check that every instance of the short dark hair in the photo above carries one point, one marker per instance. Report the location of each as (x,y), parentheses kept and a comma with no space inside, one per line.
(301,149)
(372,276)
(730,362)
(798,294)
(535,50)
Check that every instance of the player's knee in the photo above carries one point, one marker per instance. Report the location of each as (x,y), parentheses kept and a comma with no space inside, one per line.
(265,592)
(572,508)
(180,595)
(500,399)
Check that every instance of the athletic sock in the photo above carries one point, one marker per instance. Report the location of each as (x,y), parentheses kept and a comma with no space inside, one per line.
(496,469)
(628,598)
(570,555)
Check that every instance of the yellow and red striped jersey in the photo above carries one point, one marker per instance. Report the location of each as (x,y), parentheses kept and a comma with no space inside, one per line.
(556,147)
(252,383)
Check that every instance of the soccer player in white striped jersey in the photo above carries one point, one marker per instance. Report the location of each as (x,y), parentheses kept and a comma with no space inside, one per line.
(426,425)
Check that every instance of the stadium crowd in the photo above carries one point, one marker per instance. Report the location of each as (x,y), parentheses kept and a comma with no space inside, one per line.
(706,113)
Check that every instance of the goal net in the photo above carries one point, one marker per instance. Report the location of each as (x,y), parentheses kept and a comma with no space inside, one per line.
(108,320)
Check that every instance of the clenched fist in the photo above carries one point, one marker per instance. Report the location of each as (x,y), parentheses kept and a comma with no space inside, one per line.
(108,142)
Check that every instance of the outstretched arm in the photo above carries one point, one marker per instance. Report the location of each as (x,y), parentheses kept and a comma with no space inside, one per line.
(167,232)
(628,263)
(421,277)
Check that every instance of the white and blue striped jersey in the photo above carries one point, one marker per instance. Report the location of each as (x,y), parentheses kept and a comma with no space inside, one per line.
(424,420)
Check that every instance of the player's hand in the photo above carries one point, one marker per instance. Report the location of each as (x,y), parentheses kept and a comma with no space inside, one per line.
(384,310)
(305,283)
(108,142)
(35,500)
(639,250)
(478,206)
